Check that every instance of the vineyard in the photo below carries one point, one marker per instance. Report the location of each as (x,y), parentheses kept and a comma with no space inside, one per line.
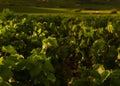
(59,50)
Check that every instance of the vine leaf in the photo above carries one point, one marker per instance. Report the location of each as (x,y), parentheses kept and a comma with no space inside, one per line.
(9,49)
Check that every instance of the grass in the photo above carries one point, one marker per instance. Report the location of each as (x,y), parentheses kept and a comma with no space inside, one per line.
(96,7)
(57,7)
(30,9)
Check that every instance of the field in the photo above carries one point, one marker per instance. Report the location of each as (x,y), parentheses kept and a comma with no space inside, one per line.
(53,6)
(59,11)
(59,50)
(59,45)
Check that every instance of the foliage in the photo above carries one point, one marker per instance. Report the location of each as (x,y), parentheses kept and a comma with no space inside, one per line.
(7,14)
(59,51)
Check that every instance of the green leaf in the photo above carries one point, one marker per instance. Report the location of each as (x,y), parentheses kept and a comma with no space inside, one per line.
(94,73)
(50,41)
(81,82)
(36,51)
(2,31)
(115,72)
(112,52)
(99,43)
(36,70)
(9,63)
(9,49)
(118,57)
(98,47)
(83,43)
(5,72)
(74,28)
(1,79)
(90,32)
(1,60)
(12,60)
(46,82)
(115,78)
(0,27)
(5,84)
(105,75)
(51,77)
(48,66)
(110,28)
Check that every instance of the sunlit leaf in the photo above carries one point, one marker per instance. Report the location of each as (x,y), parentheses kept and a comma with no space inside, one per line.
(9,49)
(50,41)
(1,60)
(110,28)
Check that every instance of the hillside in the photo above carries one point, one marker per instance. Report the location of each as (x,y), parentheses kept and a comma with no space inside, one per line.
(62,3)
(34,6)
